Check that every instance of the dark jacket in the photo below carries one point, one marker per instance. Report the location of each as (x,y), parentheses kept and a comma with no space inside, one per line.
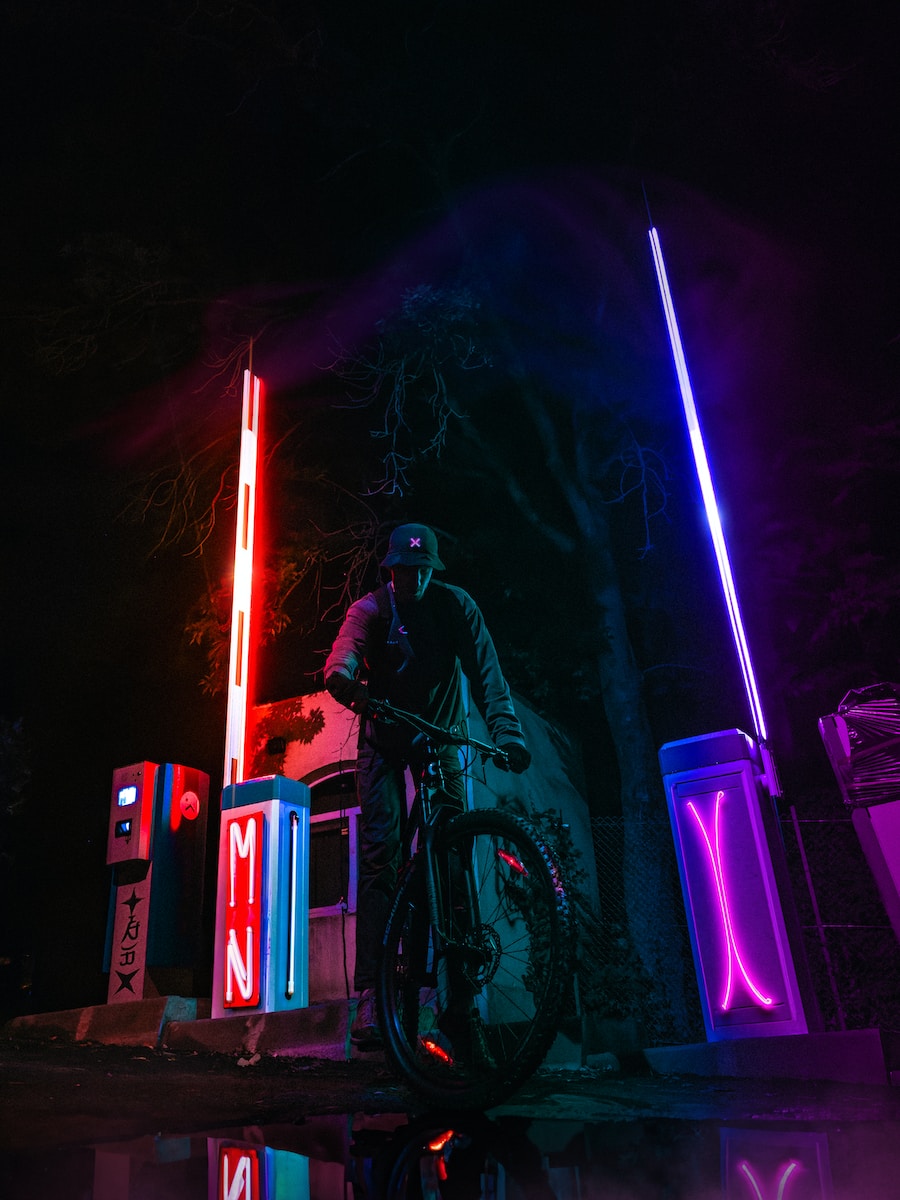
(416,657)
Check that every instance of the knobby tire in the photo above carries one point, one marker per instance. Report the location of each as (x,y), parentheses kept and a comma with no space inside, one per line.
(468,1023)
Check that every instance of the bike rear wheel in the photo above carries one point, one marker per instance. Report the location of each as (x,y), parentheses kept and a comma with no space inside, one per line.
(468,1010)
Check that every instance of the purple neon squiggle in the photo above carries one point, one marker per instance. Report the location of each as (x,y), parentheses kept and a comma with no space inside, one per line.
(731,946)
(708,492)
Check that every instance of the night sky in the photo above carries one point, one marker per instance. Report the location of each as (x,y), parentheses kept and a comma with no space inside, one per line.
(169,163)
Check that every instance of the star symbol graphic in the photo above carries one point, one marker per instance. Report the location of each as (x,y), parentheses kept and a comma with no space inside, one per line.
(133,901)
(125,978)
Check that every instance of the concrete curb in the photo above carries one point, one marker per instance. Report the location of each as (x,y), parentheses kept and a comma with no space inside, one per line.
(131,1023)
(319,1031)
(852,1056)
(184,1025)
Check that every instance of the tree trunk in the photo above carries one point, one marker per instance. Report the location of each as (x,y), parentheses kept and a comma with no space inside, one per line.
(652,893)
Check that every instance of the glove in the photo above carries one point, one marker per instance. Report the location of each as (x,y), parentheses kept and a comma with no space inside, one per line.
(347,691)
(518,756)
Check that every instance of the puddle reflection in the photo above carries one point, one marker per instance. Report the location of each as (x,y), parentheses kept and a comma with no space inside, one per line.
(477,1158)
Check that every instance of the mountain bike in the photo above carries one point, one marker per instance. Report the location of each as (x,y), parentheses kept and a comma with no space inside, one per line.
(476,957)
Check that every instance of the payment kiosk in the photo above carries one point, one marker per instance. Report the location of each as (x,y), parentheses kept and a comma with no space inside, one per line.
(156,846)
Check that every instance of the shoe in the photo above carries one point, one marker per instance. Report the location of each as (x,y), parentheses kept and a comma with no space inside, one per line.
(365,1031)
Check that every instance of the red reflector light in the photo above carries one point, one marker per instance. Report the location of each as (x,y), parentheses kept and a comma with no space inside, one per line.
(438,1143)
(437,1051)
(512,861)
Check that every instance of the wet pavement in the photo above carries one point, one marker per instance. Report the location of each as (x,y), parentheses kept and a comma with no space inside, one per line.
(116,1122)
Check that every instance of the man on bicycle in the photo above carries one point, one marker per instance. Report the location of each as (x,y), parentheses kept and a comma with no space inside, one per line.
(414,643)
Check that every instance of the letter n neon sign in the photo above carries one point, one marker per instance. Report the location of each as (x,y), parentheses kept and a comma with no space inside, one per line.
(243,912)
(238,1174)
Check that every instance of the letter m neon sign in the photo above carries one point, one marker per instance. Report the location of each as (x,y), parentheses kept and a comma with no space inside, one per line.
(243,913)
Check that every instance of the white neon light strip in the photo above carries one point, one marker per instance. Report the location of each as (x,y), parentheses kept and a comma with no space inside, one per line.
(292,908)
(708,492)
(239,659)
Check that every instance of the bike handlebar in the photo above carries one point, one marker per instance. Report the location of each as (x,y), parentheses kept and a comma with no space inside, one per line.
(439,734)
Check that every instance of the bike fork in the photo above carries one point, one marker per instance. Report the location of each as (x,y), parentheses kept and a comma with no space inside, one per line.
(433,891)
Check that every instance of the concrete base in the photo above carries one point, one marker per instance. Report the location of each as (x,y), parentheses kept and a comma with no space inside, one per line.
(319,1031)
(130,1023)
(176,1023)
(854,1056)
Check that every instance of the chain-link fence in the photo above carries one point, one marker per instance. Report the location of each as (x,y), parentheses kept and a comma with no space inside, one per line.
(615,986)
(853,953)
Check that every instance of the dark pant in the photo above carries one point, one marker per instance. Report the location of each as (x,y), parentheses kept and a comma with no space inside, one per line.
(381,789)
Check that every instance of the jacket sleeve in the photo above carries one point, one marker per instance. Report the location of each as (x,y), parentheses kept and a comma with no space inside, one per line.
(349,650)
(490,691)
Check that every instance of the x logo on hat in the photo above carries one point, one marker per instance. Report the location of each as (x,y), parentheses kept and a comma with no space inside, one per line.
(415,543)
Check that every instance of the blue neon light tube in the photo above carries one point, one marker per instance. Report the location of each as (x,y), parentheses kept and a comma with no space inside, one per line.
(708,492)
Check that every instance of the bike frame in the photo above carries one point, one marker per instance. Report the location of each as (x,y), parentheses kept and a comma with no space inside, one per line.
(426,818)
(430,817)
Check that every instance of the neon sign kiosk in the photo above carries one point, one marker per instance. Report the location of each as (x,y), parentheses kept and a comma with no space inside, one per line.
(260,961)
(750,966)
(720,791)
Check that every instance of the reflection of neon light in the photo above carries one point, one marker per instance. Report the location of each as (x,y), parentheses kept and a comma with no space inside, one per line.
(709,496)
(238,1173)
(786,1173)
(239,660)
(437,1144)
(718,870)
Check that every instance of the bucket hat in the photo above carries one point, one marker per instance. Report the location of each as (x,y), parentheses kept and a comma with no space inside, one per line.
(413,546)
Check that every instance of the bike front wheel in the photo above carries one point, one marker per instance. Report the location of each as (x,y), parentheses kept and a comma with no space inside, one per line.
(470,1005)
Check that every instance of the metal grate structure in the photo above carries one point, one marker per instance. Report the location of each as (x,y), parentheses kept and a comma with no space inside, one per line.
(862,741)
